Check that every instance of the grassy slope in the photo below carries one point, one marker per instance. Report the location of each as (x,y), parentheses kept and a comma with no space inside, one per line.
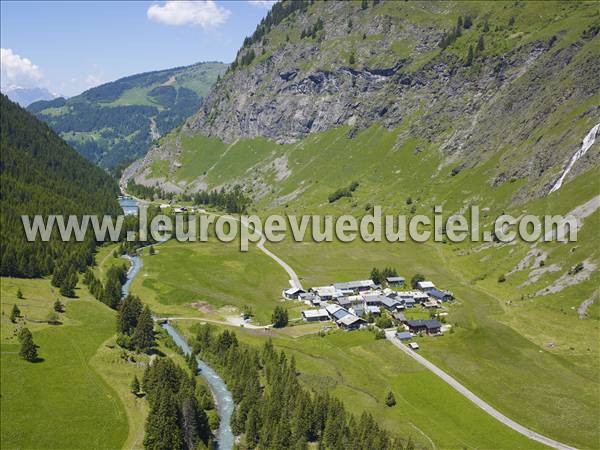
(62,401)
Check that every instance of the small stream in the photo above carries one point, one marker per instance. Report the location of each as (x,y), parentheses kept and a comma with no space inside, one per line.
(223,399)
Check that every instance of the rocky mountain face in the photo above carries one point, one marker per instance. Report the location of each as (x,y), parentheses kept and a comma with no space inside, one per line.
(117,121)
(513,82)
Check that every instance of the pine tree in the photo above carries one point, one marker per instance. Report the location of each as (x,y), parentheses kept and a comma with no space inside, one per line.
(364,5)
(19,294)
(28,348)
(252,429)
(58,306)
(151,250)
(480,44)
(135,385)
(352,58)
(162,428)
(279,317)
(486,27)
(390,400)
(143,336)
(469,59)
(15,314)
(127,316)
(376,276)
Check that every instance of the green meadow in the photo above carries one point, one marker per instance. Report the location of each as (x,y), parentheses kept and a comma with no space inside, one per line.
(61,401)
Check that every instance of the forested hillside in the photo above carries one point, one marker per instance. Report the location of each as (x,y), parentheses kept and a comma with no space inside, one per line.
(41,174)
(117,121)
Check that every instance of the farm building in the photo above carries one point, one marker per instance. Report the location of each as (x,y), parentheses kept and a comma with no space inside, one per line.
(355,286)
(315,315)
(425,285)
(404,335)
(430,304)
(430,326)
(326,292)
(389,303)
(292,293)
(399,316)
(350,322)
(440,295)
(395,281)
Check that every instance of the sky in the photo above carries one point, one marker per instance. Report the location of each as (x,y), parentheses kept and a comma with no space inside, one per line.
(68,47)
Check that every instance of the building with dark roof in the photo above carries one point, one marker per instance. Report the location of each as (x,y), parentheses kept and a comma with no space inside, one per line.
(430,326)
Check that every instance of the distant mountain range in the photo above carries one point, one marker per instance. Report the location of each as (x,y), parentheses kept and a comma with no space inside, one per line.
(27,96)
(117,121)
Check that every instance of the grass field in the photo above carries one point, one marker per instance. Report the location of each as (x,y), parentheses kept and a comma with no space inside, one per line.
(214,276)
(61,401)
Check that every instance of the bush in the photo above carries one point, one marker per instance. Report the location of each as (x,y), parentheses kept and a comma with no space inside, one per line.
(343,192)
(501,279)
(384,322)
(390,400)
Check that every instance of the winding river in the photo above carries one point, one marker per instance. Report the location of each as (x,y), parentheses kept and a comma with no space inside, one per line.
(223,399)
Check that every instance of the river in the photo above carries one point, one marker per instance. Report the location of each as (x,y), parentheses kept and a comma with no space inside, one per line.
(223,399)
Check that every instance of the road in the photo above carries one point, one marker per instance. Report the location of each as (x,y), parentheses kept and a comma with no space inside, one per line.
(294,279)
(390,335)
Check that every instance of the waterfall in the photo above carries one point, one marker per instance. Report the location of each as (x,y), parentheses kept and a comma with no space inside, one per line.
(588,141)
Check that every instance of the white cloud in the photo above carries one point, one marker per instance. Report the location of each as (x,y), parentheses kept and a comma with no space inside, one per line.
(263,3)
(18,71)
(205,13)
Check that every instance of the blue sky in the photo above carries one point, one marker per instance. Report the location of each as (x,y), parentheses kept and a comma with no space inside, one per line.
(68,47)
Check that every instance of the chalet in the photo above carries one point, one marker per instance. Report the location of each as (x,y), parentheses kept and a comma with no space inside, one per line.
(355,286)
(309,297)
(336,312)
(350,322)
(399,316)
(326,292)
(419,297)
(344,302)
(292,293)
(179,210)
(388,303)
(358,310)
(442,296)
(375,310)
(315,315)
(409,302)
(430,326)
(431,304)
(395,281)
(376,300)
(425,285)
(404,335)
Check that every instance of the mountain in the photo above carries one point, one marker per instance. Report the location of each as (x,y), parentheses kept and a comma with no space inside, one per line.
(41,174)
(27,96)
(117,121)
(504,90)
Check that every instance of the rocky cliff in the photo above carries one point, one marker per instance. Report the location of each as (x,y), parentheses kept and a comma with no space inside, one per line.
(513,81)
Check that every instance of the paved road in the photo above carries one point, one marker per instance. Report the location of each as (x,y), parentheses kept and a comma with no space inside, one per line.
(390,335)
(294,279)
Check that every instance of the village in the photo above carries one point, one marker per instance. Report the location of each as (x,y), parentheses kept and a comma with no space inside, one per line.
(353,305)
